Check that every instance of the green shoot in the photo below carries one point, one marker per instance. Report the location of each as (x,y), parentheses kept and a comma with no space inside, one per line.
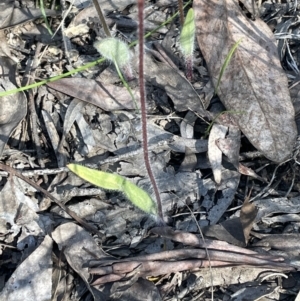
(226,62)
(108,181)
(45,17)
(187,42)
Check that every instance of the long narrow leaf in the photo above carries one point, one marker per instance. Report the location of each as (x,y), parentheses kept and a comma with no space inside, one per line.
(109,181)
(226,62)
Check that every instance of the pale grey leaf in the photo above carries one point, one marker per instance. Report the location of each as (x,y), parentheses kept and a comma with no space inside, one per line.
(230,146)
(32,280)
(253,83)
(75,241)
(86,132)
(22,15)
(187,125)
(190,161)
(13,109)
(107,97)
(227,189)
(72,112)
(218,131)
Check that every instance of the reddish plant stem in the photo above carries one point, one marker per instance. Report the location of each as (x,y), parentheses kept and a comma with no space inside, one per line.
(181,13)
(143,107)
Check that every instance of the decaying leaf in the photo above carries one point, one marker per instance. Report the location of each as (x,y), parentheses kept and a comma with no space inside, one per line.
(108,97)
(32,279)
(78,247)
(225,195)
(247,218)
(230,231)
(11,16)
(13,108)
(218,131)
(177,87)
(253,81)
(230,146)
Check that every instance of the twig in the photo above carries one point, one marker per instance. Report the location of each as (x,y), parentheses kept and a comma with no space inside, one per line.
(181,14)
(102,19)
(13,172)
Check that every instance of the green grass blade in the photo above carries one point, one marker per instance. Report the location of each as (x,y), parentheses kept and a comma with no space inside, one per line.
(54,78)
(226,62)
(45,17)
(84,67)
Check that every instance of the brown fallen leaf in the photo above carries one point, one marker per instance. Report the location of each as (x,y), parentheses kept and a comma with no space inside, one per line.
(108,97)
(247,218)
(253,83)
(247,171)
(230,231)
(13,108)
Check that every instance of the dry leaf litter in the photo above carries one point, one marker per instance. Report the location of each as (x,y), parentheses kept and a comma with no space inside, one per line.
(237,171)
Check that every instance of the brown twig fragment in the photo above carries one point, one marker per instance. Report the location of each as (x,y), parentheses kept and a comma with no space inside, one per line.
(181,13)
(87,226)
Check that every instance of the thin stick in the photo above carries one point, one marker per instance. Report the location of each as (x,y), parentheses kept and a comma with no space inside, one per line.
(13,172)
(102,19)
(143,107)
(181,13)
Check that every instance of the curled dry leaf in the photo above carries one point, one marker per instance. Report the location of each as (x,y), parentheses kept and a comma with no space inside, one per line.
(253,82)
(230,146)
(217,132)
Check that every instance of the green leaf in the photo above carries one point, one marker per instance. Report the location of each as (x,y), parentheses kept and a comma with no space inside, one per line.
(139,197)
(105,180)
(97,177)
(114,50)
(187,36)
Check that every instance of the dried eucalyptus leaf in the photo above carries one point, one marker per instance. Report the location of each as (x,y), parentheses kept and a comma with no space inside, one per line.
(253,82)
(21,15)
(108,97)
(217,132)
(13,109)
(7,7)
(32,279)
